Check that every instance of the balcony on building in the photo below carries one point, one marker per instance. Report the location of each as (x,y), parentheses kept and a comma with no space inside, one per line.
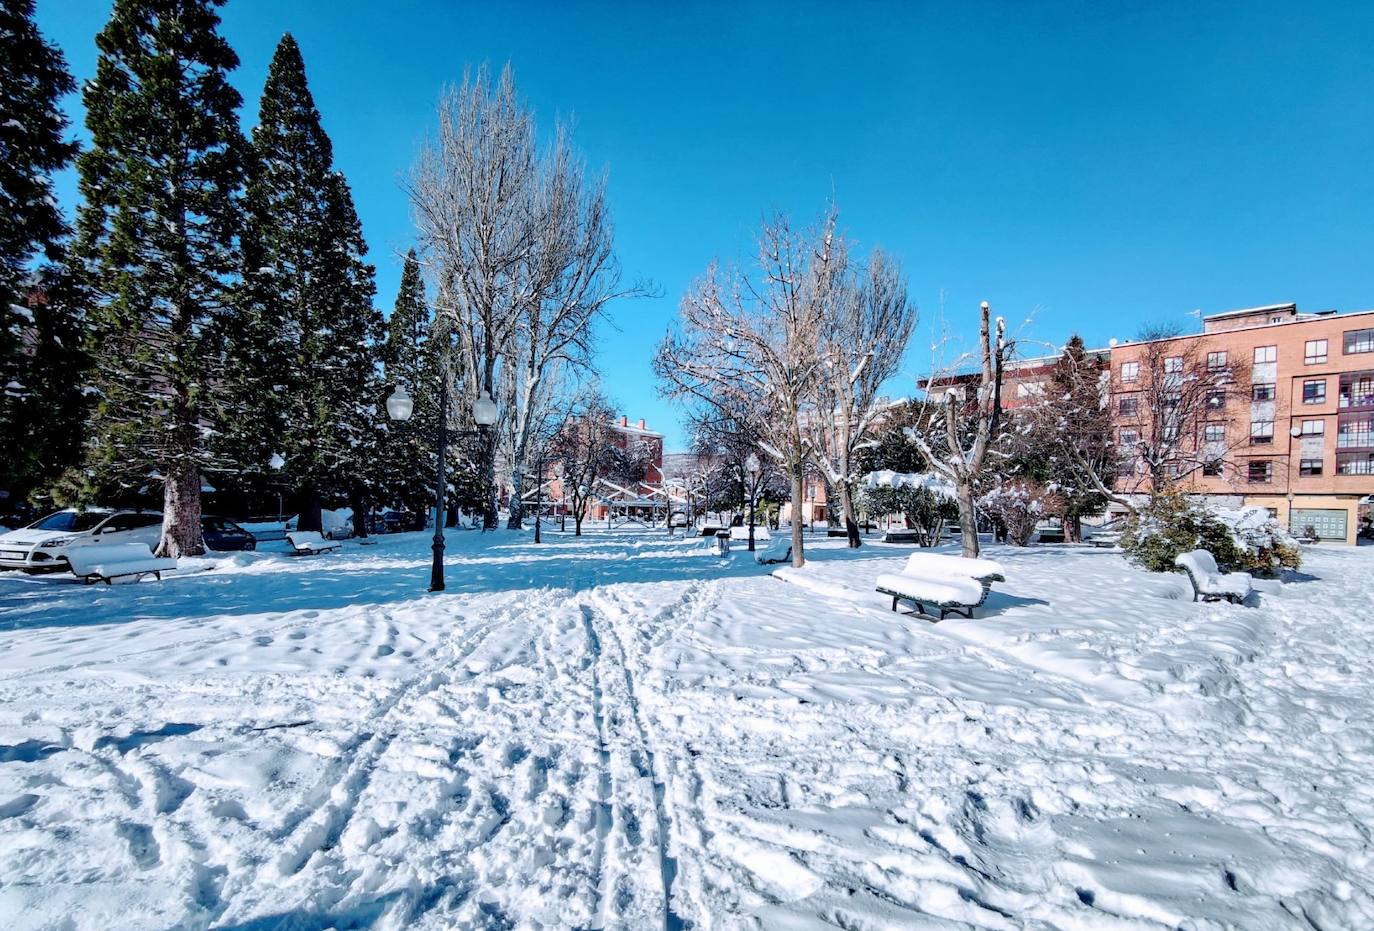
(1355,432)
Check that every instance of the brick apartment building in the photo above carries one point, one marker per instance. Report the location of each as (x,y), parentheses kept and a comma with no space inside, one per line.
(642,500)
(1300,442)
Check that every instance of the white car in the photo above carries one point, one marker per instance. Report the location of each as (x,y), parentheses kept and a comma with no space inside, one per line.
(39,546)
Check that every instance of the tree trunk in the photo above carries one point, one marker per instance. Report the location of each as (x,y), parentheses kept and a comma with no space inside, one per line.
(358,502)
(1073,529)
(968,521)
(798,556)
(181,534)
(851,525)
(516,512)
(308,516)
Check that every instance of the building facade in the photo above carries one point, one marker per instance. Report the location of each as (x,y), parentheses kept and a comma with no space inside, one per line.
(1299,438)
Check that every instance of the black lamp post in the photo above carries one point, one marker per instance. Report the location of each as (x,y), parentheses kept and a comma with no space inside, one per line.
(538,491)
(399,407)
(752,464)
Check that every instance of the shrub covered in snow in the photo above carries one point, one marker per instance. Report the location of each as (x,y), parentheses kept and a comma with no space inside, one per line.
(1018,505)
(1246,540)
(925,501)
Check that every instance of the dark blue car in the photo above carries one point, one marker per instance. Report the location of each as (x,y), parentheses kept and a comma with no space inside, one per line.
(223,534)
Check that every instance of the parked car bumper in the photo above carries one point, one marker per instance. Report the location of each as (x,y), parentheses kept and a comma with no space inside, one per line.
(38,559)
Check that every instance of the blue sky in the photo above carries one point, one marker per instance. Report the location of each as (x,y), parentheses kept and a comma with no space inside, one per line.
(1084,166)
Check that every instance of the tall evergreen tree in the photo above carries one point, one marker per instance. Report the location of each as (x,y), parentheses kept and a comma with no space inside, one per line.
(306,328)
(156,245)
(35,337)
(412,357)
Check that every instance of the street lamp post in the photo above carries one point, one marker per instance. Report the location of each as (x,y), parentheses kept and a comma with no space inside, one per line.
(538,491)
(752,464)
(400,406)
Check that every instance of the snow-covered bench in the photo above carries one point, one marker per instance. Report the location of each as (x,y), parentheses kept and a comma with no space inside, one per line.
(947,584)
(779,549)
(310,543)
(1209,582)
(105,562)
(741,534)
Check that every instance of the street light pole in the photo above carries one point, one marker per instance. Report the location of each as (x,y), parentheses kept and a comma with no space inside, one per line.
(436,571)
(538,491)
(399,407)
(752,464)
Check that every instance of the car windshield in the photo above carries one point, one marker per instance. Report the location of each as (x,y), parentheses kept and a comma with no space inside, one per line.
(69,521)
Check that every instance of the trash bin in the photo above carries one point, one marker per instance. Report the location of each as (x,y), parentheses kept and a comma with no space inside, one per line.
(722,543)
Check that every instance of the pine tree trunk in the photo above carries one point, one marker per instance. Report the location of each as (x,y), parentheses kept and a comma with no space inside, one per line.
(798,556)
(308,516)
(968,521)
(851,524)
(181,534)
(358,502)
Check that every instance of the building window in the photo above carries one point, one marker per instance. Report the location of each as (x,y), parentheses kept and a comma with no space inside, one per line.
(1310,467)
(1216,361)
(1313,428)
(1128,405)
(1261,431)
(1353,465)
(1263,392)
(1214,433)
(1169,432)
(1173,365)
(1266,354)
(1314,352)
(1359,341)
(1216,400)
(1130,371)
(1129,438)
(1212,468)
(1259,471)
(1314,391)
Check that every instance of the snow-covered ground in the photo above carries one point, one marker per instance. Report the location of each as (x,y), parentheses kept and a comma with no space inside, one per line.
(621,731)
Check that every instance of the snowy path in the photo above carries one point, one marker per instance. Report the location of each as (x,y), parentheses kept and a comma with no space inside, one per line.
(621,732)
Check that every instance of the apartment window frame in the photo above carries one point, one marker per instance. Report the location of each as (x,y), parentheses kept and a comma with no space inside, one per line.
(1354,342)
(1314,352)
(1259,436)
(1130,372)
(1212,468)
(1319,425)
(1173,365)
(1127,437)
(1310,467)
(1218,428)
(1263,391)
(1265,354)
(1215,400)
(1216,360)
(1263,475)
(1128,405)
(1317,396)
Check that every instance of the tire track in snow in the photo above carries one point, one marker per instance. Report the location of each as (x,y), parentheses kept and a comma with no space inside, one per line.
(692,599)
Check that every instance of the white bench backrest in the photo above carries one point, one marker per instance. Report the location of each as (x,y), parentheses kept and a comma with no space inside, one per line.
(83,559)
(1200,562)
(937,565)
(303,537)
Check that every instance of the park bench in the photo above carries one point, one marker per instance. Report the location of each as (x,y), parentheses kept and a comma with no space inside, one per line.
(741,534)
(902,536)
(1210,583)
(105,562)
(310,543)
(934,582)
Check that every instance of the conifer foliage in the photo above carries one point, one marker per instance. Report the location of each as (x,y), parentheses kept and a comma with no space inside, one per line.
(155,244)
(303,346)
(33,78)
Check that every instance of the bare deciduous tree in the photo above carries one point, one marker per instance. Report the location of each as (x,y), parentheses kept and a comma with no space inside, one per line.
(748,345)
(519,246)
(957,433)
(865,336)
(586,449)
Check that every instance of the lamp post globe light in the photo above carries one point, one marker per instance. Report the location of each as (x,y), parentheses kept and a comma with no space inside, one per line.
(752,464)
(399,407)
